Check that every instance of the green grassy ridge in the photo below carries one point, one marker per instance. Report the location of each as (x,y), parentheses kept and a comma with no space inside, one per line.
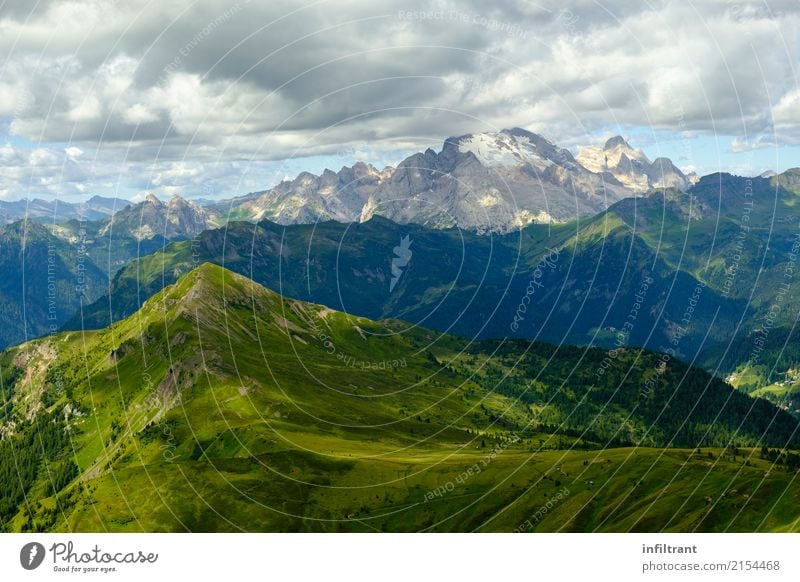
(223,406)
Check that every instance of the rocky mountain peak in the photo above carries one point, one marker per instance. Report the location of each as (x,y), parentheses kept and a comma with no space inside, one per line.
(616,141)
(179,202)
(178,218)
(151,198)
(631,167)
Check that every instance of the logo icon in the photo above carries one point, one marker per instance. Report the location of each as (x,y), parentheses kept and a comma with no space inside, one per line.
(31,555)
(403,256)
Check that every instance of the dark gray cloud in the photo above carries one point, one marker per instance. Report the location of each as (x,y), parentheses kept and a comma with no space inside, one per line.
(225,80)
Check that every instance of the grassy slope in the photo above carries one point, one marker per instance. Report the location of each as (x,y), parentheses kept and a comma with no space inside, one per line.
(223,406)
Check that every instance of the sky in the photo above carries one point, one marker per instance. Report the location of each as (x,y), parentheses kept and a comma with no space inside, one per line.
(212,99)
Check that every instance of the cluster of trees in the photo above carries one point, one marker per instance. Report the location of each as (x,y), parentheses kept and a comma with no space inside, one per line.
(781,457)
(37,446)
(9,376)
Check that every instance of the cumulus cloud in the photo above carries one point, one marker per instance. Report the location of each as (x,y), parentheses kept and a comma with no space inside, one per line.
(231,82)
(73,152)
(40,171)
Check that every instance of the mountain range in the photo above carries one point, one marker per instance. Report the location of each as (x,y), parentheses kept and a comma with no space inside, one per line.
(670,271)
(458,280)
(482,183)
(486,182)
(176,219)
(55,211)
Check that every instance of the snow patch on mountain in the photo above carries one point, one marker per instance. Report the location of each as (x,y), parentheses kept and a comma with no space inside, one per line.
(503,149)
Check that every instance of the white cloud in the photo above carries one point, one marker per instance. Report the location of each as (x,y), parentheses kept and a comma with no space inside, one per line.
(786,113)
(73,152)
(137,114)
